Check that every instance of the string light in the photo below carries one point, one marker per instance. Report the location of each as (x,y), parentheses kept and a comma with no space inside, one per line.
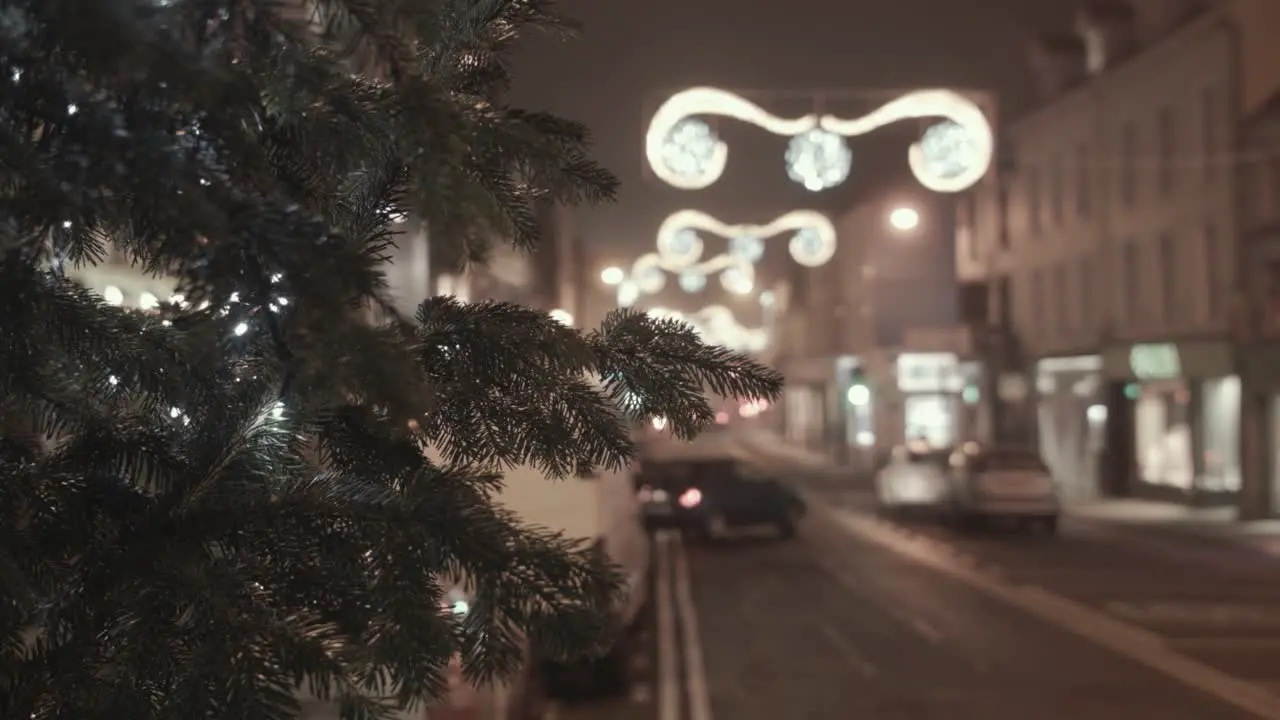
(961,171)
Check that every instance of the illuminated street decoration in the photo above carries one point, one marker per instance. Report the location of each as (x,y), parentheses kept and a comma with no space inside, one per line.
(736,281)
(953,156)
(690,148)
(717,326)
(947,150)
(818,160)
(812,244)
(692,282)
(648,274)
(748,247)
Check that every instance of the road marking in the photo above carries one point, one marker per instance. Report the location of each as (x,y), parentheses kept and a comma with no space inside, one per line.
(922,628)
(695,668)
(855,658)
(1224,642)
(668,660)
(1098,627)
(1208,613)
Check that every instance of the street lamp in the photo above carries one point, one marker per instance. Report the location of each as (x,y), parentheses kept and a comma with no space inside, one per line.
(904,218)
(612,275)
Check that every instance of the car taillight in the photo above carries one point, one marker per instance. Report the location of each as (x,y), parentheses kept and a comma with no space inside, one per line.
(690,498)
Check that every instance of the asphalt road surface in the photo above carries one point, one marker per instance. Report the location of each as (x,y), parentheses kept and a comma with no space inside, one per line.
(862,618)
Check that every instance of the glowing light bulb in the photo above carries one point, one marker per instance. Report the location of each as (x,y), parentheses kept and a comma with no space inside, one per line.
(692,282)
(904,219)
(747,247)
(612,276)
(562,316)
(147,301)
(113,295)
(818,160)
(241,328)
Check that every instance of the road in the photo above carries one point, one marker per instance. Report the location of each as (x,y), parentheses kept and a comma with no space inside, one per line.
(863,618)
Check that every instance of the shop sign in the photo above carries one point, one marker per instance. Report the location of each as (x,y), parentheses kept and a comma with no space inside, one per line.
(1155,361)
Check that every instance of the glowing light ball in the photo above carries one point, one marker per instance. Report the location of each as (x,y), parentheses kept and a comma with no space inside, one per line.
(811,248)
(689,149)
(818,160)
(679,246)
(948,151)
(628,294)
(748,247)
(736,281)
(692,157)
(904,219)
(612,276)
(692,282)
(649,279)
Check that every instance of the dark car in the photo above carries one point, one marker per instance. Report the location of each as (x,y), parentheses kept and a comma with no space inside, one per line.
(710,497)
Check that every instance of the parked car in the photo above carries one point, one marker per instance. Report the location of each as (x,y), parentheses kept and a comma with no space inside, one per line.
(1003,484)
(914,480)
(709,498)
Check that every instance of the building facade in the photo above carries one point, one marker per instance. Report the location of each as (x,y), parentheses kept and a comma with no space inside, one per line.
(1112,247)
(843,315)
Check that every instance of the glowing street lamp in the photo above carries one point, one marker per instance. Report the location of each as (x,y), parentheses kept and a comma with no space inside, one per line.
(612,276)
(904,219)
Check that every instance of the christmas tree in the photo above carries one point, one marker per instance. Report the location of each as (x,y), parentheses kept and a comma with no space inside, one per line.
(211,506)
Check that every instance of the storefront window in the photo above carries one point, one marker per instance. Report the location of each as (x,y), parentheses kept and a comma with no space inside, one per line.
(1220,411)
(1162,431)
(930,418)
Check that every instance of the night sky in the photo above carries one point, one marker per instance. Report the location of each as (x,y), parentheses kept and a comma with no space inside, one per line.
(633,54)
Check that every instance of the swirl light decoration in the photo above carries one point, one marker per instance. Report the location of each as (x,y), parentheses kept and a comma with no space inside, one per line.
(953,156)
(648,275)
(812,243)
(717,326)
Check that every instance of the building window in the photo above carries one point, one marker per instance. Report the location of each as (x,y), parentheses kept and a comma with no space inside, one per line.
(1056,201)
(1128,159)
(1039,299)
(966,227)
(1169,305)
(1085,284)
(1251,195)
(1212,284)
(1167,139)
(1270,189)
(1084,194)
(1209,132)
(1061,301)
(1003,213)
(1131,285)
(1271,299)
(1033,200)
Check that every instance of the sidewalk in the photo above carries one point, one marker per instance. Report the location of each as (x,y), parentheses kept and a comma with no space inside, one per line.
(1218,524)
